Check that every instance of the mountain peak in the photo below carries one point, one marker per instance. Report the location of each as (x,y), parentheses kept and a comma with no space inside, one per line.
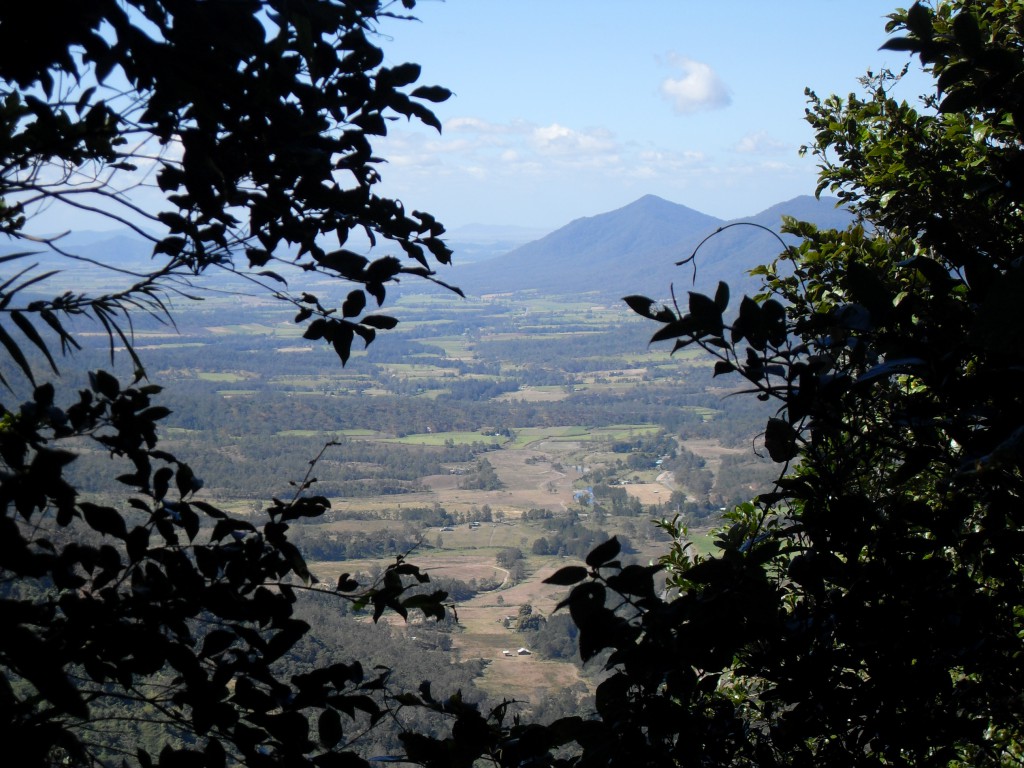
(654,205)
(632,249)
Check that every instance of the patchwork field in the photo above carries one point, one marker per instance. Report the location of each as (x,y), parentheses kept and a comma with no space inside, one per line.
(554,397)
(468,553)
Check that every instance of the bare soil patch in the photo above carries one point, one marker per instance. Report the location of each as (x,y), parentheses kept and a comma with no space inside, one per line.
(712,452)
(649,493)
(483,636)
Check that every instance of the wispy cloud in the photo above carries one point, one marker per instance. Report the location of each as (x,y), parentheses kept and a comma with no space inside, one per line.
(759,143)
(698,87)
(516,145)
(565,142)
(476,125)
(478,149)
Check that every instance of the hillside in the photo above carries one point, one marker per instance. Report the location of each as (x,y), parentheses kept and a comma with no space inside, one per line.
(634,250)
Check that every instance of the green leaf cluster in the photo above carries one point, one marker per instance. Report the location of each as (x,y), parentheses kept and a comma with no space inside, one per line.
(251,121)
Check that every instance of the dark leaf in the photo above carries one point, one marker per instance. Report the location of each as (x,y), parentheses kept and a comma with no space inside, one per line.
(722,296)
(642,305)
(316,330)
(161,482)
(604,553)
(403,74)
(634,580)
(30,331)
(216,642)
(567,576)
(137,543)
(15,353)
(675,329)
(781,440)
(381,322)
(273,276)
(707,317)
(433,93)
(104,520)
(105,384)
(354,304)
(329,728)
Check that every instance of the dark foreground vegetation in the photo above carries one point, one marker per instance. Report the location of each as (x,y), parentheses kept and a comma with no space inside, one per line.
(863,610)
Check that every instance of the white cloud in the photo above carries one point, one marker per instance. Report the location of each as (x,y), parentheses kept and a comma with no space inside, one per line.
(478,149)
(758,143)
(699,88)
(558,140)
(478,126)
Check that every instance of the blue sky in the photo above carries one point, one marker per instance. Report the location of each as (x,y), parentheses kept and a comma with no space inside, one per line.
(570,108)
(565,108)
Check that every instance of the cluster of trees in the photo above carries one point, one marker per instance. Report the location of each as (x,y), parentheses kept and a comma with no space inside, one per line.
(251,466)
(273,411)
(615,500)
(690,471)
(656,445)
(316,544)
(481,478)
(511,559)
(567,536)
(739,477)
(864,611)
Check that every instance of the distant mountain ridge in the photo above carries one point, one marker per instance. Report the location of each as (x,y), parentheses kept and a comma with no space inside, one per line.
(634,249)
(630,250)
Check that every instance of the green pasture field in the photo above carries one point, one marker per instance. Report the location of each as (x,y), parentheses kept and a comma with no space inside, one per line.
(535,394)
(626,431)
(171,345)
(342,380)
(617,387)
(323,433)
(408,324)
(489,537)
(643,358)
(554,331)
(439,438)
(454,347)
(564,308)
(707,414)
(416,370)
(227,377)
(431,394)
(703,541)
(251,329)
(578,435)
(527,436)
